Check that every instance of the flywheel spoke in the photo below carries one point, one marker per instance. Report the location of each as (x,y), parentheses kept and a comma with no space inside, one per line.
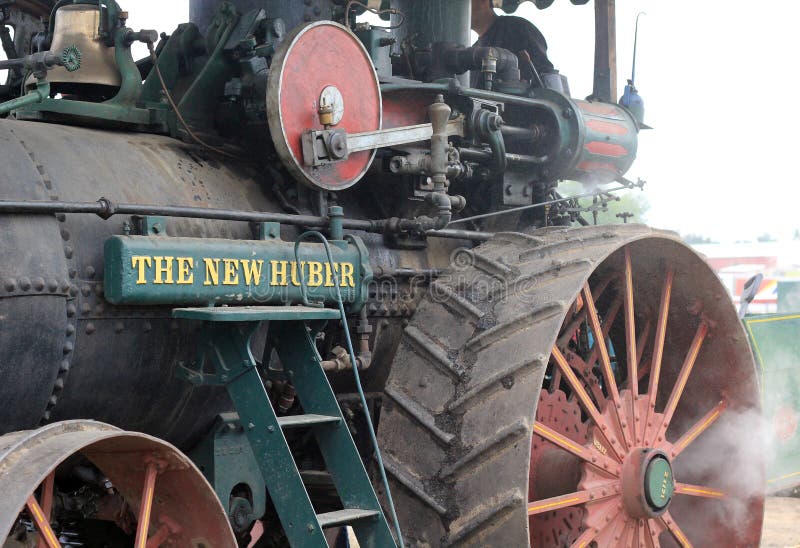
(698,491)
(42,523)
(699,427)
(683,377)
(676,531)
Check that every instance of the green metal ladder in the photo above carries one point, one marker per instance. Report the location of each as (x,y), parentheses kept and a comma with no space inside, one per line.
(225,345)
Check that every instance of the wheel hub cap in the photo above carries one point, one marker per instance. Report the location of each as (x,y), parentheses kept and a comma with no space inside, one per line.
(647,482)
(659,483)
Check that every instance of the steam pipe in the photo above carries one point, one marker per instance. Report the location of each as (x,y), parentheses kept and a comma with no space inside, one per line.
(105,209)
(485,59)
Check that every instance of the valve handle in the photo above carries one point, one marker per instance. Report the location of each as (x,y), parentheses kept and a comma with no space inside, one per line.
(71,58)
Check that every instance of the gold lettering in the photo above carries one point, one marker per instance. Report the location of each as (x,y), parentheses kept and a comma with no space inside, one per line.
(252,271)
(314,274)
(185,274)
(279,271)
(212,271)
(163,268)
(599,446)
(347,279)
(140,262)
(231,275)
(329,273)
(295,279)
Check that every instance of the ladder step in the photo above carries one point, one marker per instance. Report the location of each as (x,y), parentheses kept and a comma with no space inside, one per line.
(300,421)
(345,517)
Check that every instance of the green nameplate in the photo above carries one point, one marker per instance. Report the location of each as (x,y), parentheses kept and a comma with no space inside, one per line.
(181,271)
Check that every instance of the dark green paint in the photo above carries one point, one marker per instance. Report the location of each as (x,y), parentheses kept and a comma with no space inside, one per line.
(226,460)
(659,484)
(122,271)
(226,349)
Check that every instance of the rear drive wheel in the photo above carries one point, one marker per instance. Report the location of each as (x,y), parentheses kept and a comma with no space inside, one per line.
(511,417)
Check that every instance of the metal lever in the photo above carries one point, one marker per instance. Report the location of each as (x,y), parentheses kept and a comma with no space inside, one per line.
(325,146)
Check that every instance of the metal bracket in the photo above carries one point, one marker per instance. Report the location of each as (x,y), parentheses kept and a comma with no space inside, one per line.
(227,461)
(150,225)
(327,146)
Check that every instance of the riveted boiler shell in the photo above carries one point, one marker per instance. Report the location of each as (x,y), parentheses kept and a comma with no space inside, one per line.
(66,352)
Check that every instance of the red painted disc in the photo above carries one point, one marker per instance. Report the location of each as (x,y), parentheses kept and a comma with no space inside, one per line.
(310,59)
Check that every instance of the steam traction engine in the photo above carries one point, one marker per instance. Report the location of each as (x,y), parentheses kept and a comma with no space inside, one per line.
(290,273)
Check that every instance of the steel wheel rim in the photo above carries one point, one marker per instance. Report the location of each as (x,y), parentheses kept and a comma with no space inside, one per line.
(165,498)
(589,484)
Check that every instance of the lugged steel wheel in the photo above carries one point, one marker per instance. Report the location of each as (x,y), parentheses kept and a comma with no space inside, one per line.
(564,319)
(156,496)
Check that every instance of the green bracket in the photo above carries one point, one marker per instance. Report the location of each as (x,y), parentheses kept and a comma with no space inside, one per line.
(226,348)
(33,97)
(151,225)
(225,458)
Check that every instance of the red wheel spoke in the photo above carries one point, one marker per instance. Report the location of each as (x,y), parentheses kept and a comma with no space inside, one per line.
(676,531)
(580,391)
(554,503)
(658,345)
(608,373)
(630,329)
(610,536)
(580,312)
(556,382)
(607,519)
(628,534)
(600,344)
(647,537)
(699,427)
(47,503)
(571,499)
(698,491)
(683,377)
(585,371)
(661,333)
(613,310)
(641,342)
(146,506)
(591,456)
(630,341)
(42,523)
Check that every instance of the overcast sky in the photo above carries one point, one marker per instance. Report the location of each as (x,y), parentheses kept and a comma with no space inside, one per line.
(717,77)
